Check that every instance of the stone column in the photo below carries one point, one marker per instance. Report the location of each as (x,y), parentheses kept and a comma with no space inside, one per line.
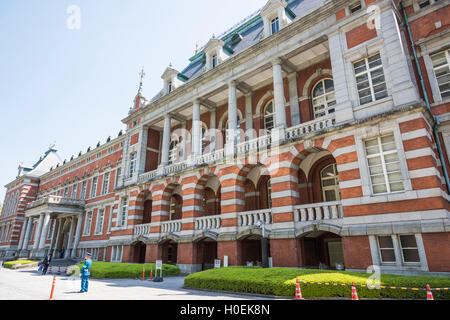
(27,234)
(278,92)
(212,132)
(293,98)
(52,241)
(341,79)
(22,234)
(249,117)
(69,242)
(232,119)
(43,236)
(60,226)
(37,234)
(196,130)
(142,151)
(77,236)
(166,141)
(183,141)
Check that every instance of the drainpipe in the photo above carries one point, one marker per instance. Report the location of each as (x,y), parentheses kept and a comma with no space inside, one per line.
(436,119)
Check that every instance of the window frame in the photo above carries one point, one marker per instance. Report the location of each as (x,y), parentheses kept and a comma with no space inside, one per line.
(408,248)
(447,65)
(324,97)
(368,71)
(381,154)
(275,22)
(269,115)
(105,184)
(94,187)
(87,224)
(98,226)
(333,187)
(385,248)
(133,163)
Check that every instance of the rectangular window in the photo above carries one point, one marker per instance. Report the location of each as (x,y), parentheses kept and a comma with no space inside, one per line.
(105,183)
(110,219)
(132,163)
(87,224)
(408,245)
(100,219)
(355,7)
(424,4)
(74,191)
(66,192)
(83,190)
(370,80)
(169,87)
(123,212)
(94,187)
(441,67)
(275,25)
(384,165)
(387,252)
(118,173)
(214,61)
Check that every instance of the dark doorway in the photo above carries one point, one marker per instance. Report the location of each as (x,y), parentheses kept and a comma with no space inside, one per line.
(206,253)
(139,252)
(147,218)
(321,250)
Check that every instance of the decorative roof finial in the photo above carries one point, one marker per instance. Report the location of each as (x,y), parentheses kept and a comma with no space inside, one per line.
(196,47)
(141,74)
(52,145)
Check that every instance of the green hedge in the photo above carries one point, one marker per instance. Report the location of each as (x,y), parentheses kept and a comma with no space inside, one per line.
(10,264)
(110,270)
(282,281)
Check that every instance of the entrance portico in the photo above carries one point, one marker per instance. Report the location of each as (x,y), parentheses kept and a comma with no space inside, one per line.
(58,227)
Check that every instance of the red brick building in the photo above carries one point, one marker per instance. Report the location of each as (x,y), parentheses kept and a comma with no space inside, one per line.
(318,119)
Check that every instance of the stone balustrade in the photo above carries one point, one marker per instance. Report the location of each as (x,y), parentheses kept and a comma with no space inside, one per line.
(318,211)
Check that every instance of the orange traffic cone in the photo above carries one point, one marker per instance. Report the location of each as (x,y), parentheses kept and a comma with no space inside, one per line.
(429,293)
(151,274)
(53,288)
(298,292)
(50,270)
(354,293)
(143,273)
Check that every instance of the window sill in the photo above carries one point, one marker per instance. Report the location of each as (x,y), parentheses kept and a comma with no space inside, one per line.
(373,103)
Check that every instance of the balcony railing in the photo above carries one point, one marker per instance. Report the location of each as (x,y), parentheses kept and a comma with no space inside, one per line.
(310,126)
(171,226)
(56,200)
(250,218)
(318,211)
(208,222)
(254,145)
(142,229)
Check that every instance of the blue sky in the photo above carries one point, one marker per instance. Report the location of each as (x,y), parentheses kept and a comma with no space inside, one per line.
(75,86)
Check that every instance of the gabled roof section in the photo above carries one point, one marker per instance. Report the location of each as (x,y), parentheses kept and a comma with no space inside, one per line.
(169,72)
(272,5)
(212,44)
(43,165)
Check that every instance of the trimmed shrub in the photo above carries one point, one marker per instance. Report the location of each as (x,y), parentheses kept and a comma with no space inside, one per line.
(111,270)
(10,264)
(282,281)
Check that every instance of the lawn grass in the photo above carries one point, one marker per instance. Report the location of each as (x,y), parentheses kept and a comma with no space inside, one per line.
(282,282)
(10,264)
(111,270)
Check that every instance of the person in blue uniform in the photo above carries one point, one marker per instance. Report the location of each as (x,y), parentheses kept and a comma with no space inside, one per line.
(85,273)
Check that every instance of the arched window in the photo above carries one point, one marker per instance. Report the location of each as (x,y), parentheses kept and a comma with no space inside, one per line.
(173,152)
(323,98)
(176,203)
(269,116)
(329,180)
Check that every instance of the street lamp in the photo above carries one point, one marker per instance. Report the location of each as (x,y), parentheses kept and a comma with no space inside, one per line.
(264,252)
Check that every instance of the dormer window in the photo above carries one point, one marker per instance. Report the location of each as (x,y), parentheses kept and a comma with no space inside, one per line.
(275,25)
(424,4)
(169,87)
(214,61)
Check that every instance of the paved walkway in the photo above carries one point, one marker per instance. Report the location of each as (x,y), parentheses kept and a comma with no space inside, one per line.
(31,285)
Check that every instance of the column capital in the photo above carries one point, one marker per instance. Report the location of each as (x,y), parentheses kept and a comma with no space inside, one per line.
(276,62)
(167,116)
(232,83)
(196,101)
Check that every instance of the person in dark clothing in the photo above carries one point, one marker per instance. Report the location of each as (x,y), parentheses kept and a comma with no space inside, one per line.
(46,263)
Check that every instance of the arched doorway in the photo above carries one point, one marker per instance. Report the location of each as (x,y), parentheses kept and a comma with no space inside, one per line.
(206,253)
(251,250)
(257,189)
(170,252)
(321,250)
(139,251)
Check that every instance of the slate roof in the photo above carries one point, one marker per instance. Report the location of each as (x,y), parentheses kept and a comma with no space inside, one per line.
(250,29)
